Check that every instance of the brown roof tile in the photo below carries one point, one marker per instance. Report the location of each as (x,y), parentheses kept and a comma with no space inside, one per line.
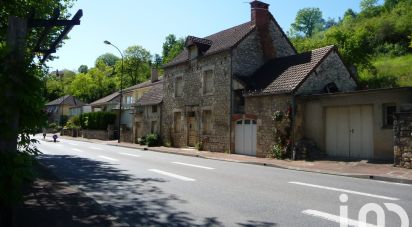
(114,97)
(219,41)
(66,100)
(153,96)
(284,75)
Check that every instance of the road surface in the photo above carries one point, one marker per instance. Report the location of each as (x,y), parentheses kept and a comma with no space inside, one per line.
(145,188)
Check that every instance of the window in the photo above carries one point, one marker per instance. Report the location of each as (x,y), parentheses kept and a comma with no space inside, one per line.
(129,99)
(193,52)
(179,86)
(207,122)
(207,81)
(154,109)
(239,101)
(388,114)
(178,121)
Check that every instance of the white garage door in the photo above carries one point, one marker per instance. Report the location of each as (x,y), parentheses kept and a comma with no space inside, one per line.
(245,137)
(349,132)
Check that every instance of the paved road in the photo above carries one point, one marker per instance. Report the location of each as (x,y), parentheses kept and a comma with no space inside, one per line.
(144,188)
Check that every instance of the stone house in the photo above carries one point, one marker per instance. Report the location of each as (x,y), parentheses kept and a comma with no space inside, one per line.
(201,89)
(141,102)
(245,89)
(60,107)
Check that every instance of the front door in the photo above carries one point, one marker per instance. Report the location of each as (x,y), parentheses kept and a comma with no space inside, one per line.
(245,137)
(192,131)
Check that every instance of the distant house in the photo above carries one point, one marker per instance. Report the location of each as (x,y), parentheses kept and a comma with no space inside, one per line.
(107,103)
(77,110)
(138,115)
(60,107)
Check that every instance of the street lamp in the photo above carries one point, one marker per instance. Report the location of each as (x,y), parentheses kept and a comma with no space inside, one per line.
(121,87)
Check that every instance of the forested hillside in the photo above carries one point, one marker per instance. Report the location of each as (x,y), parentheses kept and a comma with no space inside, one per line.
(376,40)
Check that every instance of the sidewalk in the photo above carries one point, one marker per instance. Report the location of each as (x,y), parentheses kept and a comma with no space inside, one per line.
(359,169)
(52,202)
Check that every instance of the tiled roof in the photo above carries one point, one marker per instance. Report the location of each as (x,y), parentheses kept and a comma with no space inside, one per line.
(66,100)
(109,98)
(153,96)
(284,75)
(142,85)
(219,41)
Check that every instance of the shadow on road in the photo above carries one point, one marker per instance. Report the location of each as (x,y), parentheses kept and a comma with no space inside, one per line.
(135,201)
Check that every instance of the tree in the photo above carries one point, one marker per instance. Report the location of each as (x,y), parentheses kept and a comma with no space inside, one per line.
(157,61)
(137,62)
(172,47)
(307,21)
(108,59)
(21,92)
(83,69)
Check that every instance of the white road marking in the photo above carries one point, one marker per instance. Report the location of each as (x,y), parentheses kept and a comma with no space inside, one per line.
(344,191)
(134,155)
(108,158)
(335,218)
(197,166)
(96,148)
(75,149)
(172,175)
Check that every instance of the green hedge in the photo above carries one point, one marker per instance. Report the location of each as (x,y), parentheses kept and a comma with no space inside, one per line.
(97,120)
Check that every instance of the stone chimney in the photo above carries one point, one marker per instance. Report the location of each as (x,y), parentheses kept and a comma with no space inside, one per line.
(154,77)
(261,16)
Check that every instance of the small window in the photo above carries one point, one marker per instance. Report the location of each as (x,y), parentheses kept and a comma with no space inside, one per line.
(239,122)
(179,86)
(247,122)
(207,81)
(154,109)
(254,122)
(193,52)
(388,114)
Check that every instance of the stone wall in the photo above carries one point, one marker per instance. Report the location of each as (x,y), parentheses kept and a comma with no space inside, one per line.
(126,135)
(330,70)
(403,139)
(280,42)
(95,134)
(193,100)
(263,107)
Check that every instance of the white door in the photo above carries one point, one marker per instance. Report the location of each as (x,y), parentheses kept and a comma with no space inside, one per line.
(245,137)
(349,132)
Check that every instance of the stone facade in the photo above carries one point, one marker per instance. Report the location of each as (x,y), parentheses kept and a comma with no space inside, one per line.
(97,134)
(147,120)
(331,70)
(263,108)
(403,139)
(193,102)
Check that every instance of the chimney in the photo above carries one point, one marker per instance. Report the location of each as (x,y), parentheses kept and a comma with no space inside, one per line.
(261,16)
(154,77)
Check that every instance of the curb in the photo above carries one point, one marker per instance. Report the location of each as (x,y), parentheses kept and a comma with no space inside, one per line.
(359,176)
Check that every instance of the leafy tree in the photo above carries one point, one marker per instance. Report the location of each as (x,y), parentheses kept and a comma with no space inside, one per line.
(172,47)
(137,62)
(307,21)
(108,59)
(21,95)
(83,69)
(157,61)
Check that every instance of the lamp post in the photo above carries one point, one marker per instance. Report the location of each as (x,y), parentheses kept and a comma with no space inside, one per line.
(121,87)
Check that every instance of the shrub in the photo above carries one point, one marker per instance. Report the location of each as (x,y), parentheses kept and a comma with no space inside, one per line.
(152,140)
(73,123)
(277,152)
(63,119)
(199,146)
(142,140)
(97,120)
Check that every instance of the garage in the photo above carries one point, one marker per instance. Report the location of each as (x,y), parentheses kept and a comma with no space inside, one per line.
(245,137)
(349,132)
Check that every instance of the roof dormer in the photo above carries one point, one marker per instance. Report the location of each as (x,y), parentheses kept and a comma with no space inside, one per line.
(197,46)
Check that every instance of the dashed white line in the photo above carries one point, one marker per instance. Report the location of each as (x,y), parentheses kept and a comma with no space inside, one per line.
(197,166)
(133,155)
(75,149)
(335,218)
(172,175)
(108,158)
(344,190)
(96,148)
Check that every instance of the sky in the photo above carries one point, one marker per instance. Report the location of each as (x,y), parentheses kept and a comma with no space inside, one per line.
(146,23)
